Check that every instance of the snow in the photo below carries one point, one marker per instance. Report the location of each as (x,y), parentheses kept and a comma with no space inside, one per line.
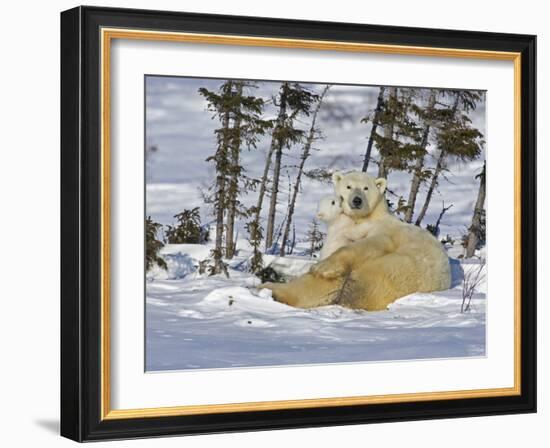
(201,322)
(198,322)
(181,260)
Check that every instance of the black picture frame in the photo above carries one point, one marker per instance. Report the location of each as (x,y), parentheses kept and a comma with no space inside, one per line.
(81,224)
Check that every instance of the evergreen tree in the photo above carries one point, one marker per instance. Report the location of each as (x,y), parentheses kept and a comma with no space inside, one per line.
(400,144)
(313,134)
(314,237)
(248,127)
(241,125)
(476,232)
(455,136)
(188,228)
(385,144)
(153,245)
(235,171)
(254,229)
(220,104)
(292,100)
(323,175)
(375,123)
(427,115)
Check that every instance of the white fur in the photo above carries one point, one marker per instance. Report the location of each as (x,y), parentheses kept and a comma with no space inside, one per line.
(341,229)
(394,259)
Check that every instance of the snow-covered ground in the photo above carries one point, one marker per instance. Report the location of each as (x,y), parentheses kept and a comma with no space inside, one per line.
(199,322)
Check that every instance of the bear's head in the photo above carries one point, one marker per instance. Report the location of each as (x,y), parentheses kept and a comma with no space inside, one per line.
(360,193)
(329,208)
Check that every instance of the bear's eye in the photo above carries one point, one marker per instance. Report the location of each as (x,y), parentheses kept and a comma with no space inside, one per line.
(332,202)
(349,187)
(366,188)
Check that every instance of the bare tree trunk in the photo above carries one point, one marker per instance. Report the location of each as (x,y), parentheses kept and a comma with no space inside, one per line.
(277,143)
(255,229)
(375,119)
(220,203)
(305,155)
(388,134)
(435,230)
(439,167)
(419,166)
(476,219)
(263,183)
(273,199)
(382,171)
(233,188)
(415,187)
(431,188)
(293,242)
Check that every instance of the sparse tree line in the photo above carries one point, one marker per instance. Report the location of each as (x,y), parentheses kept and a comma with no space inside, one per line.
(242,124)
(411,120)
(405,122)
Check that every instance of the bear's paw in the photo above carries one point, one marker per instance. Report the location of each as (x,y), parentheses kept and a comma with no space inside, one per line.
(327,269)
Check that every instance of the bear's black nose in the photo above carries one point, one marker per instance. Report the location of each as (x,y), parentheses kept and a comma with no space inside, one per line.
(356,202)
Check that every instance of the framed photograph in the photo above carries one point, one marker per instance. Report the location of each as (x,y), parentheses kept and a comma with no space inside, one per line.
(272,223)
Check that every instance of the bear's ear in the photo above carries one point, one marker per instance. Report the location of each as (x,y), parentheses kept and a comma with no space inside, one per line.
(381,184)
(337,176)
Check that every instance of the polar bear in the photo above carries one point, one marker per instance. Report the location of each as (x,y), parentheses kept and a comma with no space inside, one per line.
(393,260)
(341,229)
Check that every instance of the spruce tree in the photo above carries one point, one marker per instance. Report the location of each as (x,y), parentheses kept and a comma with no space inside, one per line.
(427,115)
(248,127)
(220,103)
(153,245)
(476,232)
(455,137)
(314,237)
(386,143)
(375,123)
(187,230)
(234,174)
(254,229)
(293,100)
(312,135)
(241,124)
(400,143)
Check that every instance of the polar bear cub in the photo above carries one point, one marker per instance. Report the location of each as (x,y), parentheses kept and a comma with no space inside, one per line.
(341,229)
